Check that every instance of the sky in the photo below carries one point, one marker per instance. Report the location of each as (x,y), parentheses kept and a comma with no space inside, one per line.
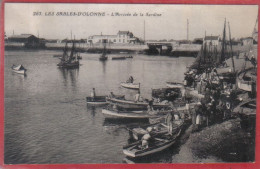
(171,24)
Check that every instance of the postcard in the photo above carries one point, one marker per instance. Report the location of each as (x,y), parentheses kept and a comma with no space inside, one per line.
(154,84)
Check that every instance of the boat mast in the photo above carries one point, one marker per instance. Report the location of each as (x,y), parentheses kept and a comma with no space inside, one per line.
(223,43)
(230,41)
(72,51)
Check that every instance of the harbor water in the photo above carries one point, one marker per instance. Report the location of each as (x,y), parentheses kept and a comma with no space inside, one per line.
(47,120)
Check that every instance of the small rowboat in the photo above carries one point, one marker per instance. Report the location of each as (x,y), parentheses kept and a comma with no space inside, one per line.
(19,69)
(100,100)
(127,104)
(158,144)
(130,85)
(111,114)
(174,85)
(118,58)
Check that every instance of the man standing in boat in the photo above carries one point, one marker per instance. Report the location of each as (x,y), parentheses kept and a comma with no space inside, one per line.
(93,94)
(169,121)
(130,80)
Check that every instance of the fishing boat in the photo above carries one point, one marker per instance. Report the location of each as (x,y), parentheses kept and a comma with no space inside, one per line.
(101,100)
(97,100)
(69,61)
(135,86)
(103,56)
(140,114)
(19,69)
(157,144)
(118,58)
(113,114)
(174,85)
(129,104)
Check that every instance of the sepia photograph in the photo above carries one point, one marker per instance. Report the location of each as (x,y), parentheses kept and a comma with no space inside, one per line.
(129,83)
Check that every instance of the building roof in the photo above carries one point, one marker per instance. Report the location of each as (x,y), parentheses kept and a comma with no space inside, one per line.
(102,36)
(123,32)
(198,39)
(22,36)
(211,38)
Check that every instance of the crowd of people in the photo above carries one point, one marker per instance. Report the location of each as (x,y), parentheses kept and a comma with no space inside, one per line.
(220,97)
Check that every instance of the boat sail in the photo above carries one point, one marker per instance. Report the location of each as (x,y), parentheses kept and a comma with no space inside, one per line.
(69,61)
(213,56)
(103,56)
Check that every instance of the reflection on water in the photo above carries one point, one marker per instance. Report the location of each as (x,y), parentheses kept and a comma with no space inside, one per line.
(46,117)
(70,76)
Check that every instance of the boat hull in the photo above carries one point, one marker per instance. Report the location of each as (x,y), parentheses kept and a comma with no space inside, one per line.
(110,114)
(118,58)
(126,104)
(68,65)
(20,71)
(174,85)
(130,85)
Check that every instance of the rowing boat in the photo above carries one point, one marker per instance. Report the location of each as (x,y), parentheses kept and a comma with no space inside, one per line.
(158,144)
(130,85)
(19,69)
(112,114)
(128,104)
(118,58)
(101,100)
(140,114)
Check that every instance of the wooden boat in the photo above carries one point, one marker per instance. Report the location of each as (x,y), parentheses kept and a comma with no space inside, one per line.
(158,144)
(118,58)
(98,100)
(69,61)
(128,104)
(101,100)
(19,69)
(135,86)
(115,114)
(174,85)
(112,114)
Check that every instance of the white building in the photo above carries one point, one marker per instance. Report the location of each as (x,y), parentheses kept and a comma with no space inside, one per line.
(211,40)
(121,37)
(247,41)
